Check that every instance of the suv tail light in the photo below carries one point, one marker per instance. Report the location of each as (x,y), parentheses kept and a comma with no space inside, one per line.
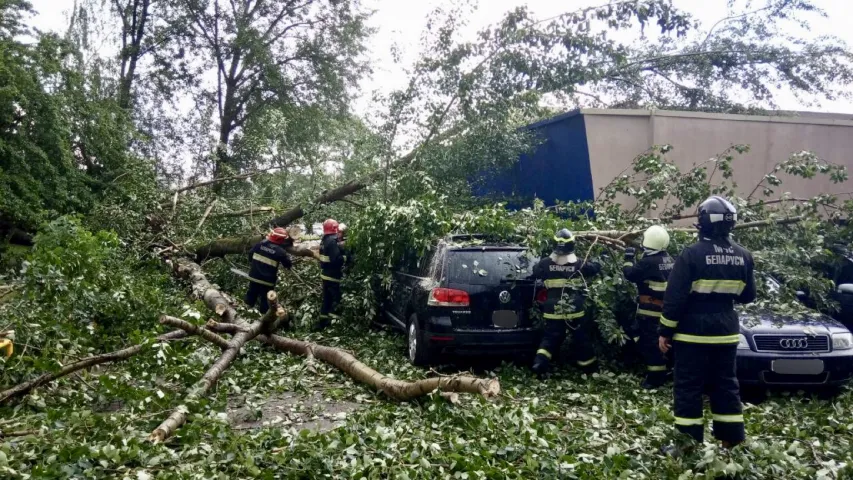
(542,295)
(448,297)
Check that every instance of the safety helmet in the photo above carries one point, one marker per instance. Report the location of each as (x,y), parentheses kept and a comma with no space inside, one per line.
(564,242)
(330,227)
(278,236)
(656,238)
(717,217)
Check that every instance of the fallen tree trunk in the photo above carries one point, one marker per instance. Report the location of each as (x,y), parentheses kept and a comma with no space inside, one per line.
(244,332)
(233,245)
(215,181)
(240,245)
(244,213)
(208,381)
(88,362)
(396,389)
(204,290)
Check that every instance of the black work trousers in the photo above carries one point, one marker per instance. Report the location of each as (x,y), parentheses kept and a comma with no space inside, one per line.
(331,300)
(555,334)
(700,368)
(258,291)
(647,329)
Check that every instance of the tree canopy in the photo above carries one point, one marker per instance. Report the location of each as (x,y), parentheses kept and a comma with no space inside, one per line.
(148,145)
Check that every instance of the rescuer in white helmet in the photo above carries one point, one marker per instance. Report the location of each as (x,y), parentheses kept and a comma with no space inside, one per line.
(650,273)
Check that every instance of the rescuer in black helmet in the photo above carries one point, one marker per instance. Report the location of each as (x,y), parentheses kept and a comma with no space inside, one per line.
(565,282)
(708,278)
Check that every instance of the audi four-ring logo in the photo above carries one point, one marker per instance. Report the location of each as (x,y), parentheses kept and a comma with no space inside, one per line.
(793,343)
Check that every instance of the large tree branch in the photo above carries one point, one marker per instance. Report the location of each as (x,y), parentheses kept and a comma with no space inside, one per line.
(629,235)
(235,245)
(217,180)
(88,362)
(392,387)
(214,373)
(244,213)
(195,330)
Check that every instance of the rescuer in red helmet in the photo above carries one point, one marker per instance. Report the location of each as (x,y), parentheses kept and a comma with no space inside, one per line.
(331,264)
(265,258)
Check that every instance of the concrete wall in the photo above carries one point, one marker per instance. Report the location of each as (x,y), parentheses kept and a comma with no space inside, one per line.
(616,137)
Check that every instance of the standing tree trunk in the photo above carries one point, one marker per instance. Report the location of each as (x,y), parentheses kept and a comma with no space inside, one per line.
(134,17)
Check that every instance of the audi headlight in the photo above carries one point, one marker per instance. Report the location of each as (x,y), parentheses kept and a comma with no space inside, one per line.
(742,344)
(842,341)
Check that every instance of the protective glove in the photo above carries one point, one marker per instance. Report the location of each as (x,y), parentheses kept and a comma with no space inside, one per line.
(6,343)
(630,253)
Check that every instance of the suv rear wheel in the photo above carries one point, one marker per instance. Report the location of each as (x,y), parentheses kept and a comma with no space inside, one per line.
(418,349)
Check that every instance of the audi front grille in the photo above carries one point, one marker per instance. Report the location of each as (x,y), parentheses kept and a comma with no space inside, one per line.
(791,343)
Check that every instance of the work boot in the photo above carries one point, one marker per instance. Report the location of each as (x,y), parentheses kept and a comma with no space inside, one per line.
(682,445)
(321,325)
(589,369)
(541,366)
(730,445)
(654,380)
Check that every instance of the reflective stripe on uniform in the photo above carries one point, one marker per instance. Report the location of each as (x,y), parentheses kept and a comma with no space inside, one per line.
(689,421)
(325,258)
(656,286)
(648,313)
(563,316)
(628,264)
(563,282)
(262,282)
(738,418)
(544,353)
(584,363)
(330,279)
(260,258)
(667,322)
(706,339)
(656,368)
(734,287)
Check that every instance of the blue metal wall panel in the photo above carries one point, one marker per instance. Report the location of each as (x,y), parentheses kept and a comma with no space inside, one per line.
(557,170)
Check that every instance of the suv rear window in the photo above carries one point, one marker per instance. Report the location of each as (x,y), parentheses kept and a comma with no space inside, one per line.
(489,267)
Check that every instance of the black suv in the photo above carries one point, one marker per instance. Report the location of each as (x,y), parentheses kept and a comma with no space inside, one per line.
(466,295)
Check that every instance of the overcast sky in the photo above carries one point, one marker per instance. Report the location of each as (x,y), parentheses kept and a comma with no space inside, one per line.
(401,23)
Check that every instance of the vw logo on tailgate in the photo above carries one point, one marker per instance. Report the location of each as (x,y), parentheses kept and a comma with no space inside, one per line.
(504,297)
(794,343)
